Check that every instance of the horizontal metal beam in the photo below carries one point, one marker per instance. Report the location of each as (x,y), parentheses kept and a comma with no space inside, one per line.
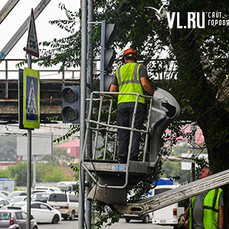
(12,108)
(134,167)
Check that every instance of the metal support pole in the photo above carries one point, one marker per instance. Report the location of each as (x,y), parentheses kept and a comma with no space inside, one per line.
(29,155)
(193,129)
(89,90)
(82,111)
(34,171)
(7,82)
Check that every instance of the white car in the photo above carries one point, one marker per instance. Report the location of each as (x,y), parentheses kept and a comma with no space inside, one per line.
(18,199)
(67,203)
(44,213)
(40,197)
(16,193)
(47,189)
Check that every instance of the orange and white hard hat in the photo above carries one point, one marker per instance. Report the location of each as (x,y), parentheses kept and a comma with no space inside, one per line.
(130,52)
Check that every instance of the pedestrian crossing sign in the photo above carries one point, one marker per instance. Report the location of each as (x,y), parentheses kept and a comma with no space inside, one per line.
(31,99)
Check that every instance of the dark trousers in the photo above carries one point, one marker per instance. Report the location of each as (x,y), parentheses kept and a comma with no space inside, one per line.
(124,118)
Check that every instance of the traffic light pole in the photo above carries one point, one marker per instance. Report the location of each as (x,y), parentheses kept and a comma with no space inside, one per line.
(89,90)
(103,40)
(82,111)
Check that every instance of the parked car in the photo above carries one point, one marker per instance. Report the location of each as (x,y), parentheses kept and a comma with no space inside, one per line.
(68,185)
(36,191)
(15,205)
(5,193)
(16,193)
(2,195)
(49,189)
(40,196)
(15,219)
(18,199)
(3,202)
(44,213)
(145,218)
(66,203)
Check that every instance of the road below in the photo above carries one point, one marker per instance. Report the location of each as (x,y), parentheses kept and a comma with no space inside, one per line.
(133,224)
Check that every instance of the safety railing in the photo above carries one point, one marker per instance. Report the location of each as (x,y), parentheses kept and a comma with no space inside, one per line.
(96,123)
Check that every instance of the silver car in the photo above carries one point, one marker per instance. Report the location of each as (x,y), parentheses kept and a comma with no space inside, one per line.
(15,219)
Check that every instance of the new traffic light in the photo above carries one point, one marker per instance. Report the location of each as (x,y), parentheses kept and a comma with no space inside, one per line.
(71,104)
(108,32)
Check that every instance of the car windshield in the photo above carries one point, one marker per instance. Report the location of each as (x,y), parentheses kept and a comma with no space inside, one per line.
(5,215)
(16,199)
(42,188)
(12,194)
(40,196)
(58,197)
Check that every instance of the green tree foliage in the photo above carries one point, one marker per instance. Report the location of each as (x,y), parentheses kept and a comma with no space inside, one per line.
(5,173)
(173,169)
(56,175)
(44,173)
(19,173)
(42,170)
(8,145)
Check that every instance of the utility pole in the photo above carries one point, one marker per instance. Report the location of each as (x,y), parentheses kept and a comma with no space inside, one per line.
(29,155)
(89,90)
(32,111)
(82,110)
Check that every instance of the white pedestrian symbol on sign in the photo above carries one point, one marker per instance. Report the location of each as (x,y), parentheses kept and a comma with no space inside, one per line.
(32,106)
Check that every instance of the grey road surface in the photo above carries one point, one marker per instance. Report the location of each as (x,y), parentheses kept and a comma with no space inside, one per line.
(133,224)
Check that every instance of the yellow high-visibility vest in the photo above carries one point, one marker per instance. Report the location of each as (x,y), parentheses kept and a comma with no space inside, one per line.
(129,81)
(211,209)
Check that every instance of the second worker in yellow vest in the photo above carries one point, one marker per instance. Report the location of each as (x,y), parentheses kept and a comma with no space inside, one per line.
(206,209)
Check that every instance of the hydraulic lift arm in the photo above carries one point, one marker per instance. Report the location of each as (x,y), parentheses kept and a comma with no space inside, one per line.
(183,192)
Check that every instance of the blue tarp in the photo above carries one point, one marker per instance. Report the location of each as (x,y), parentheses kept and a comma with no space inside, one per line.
(164,181)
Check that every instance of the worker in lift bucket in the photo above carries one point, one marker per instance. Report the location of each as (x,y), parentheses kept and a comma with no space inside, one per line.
(205,210)
(132,78)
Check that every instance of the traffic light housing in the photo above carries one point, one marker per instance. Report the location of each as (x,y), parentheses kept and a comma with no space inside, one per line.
(70,104)
(108,32)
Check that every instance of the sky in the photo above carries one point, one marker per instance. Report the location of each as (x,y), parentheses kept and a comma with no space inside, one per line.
(45,31)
